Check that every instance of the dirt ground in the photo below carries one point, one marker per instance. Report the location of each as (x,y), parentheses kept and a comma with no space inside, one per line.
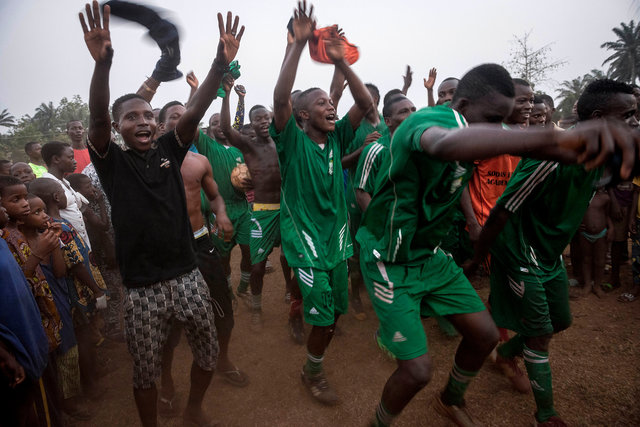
(595,365)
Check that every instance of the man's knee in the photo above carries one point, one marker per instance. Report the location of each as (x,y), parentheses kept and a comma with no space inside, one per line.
(560,325)
(418,371)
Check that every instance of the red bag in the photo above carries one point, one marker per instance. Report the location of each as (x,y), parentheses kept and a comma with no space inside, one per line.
(317,50)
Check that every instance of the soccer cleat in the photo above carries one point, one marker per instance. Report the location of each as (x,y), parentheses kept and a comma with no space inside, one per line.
(511,370)
(296,330)
(457,414)
(551,422)
(319,388)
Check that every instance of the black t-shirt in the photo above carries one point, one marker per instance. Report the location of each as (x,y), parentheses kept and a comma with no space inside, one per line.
(154,241)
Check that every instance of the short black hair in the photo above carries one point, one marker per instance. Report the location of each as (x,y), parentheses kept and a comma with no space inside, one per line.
(521,82)
(302,99)
(44,188)
(116,108)
(53,148)
(373,88)
(597,95)
(547,99)
(483,80)
(74,120)
(254,108)
(537,99)
(391,93)
(28,145)
(163,112)
(449,78)
(75,179)
(386,109)
(7,181)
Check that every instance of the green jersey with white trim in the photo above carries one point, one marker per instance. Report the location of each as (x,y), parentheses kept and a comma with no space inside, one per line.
(411,209)
(223,159)
(313,212)
(371,161)
(547,201)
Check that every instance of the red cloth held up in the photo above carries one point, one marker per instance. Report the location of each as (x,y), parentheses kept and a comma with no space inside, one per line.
(317,49)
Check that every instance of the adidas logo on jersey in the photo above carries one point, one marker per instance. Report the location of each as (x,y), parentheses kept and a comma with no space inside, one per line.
(313,311)
(398,337)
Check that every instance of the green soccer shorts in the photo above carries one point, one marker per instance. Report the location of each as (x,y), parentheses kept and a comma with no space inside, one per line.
(325,293)
(265,233)
(528,304)
(241,234)
(401,294)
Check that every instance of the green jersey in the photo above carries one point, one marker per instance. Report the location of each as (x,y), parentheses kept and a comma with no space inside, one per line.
(371,161)
(547,201)
(410,212)
(313,212)
(223,160)
(361,134)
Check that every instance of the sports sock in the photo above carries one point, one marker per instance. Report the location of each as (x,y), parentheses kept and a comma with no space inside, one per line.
(384,418)
(511,348)
(256,302)
(244,281)
(314,364)
(459,380)
(539,370)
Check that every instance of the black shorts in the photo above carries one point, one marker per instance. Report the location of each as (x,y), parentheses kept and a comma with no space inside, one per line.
(209,265)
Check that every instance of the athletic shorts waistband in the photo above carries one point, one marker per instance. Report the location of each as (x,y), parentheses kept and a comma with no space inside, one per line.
(202,232)
(266,206)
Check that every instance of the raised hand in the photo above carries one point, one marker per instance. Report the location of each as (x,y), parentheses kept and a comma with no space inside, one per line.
(227,83)
(96,34)
(47,241)
(303,22)
(192,80)
(428,83)
(334,48)
(240,90)
(408,79)
(229,39)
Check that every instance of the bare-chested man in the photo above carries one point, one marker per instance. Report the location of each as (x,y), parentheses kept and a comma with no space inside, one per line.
(197,175)
(261,158)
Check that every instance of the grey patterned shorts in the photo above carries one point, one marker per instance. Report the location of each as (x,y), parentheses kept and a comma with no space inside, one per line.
(147,311)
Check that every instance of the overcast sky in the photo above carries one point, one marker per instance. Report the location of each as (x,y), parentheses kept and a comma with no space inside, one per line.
(44,58)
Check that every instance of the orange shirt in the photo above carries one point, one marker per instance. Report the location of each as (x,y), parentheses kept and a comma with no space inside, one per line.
(82,159)
(488,182)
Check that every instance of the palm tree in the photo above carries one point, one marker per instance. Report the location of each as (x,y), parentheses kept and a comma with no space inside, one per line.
(6,119)
(569,92)
(625,61)
(45,116)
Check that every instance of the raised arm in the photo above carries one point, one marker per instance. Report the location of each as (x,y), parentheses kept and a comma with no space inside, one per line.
(232,134)
(428,84)
(303,26)
(98,40)
(193,83)
(238,121)
(148,89)
(363,101)
(407,79)
(227,49)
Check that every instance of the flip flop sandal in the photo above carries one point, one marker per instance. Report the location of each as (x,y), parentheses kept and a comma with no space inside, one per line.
(235,377)
(627,297)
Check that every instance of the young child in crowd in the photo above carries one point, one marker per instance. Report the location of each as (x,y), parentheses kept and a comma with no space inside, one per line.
(594,235)
(83,277)
(23,172)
